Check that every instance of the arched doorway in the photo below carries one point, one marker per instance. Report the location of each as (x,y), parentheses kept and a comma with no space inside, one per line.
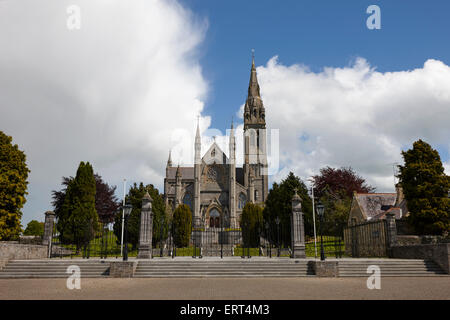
(214,218)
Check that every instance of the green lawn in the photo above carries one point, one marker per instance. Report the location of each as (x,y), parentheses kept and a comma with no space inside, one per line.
(239,252)
(331,246)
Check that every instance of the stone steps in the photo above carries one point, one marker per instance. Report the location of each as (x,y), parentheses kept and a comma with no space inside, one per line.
(403,268)
(54,268)
(185,267)
(226,268)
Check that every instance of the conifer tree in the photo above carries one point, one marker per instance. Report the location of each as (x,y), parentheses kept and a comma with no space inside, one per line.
(13,188)
(78,219)
(182,222)
(134,198)
(251,224)
(426,188)
(279,204)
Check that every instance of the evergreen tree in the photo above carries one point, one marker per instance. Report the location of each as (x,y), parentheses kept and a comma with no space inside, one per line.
(34,228)
(426,188)
(251,224)
(182,223)
(13,188)
(279,204)
(78,219)
(106,202)
(134,198)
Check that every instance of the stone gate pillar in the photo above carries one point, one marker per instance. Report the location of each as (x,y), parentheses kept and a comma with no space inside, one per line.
(391,230)
(146,228)
(297,228)
(48,231)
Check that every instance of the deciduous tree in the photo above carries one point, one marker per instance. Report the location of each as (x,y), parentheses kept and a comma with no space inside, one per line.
(13,187)
(34,228)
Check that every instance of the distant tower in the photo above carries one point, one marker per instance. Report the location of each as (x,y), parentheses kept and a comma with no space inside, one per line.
(178,187)
(197,173)
(166,183)
(232,178)
(255,155)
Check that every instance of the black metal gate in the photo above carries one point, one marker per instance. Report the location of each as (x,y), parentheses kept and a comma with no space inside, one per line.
(269,240)
(367,239)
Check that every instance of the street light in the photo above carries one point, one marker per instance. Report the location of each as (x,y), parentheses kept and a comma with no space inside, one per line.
(321,212)
(127,211)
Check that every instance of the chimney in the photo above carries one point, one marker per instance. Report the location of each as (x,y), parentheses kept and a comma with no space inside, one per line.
(400,196)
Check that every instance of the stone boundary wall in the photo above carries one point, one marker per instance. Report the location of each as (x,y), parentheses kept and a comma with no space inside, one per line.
(324,269)
(439,253)
(10,250)
(122,269)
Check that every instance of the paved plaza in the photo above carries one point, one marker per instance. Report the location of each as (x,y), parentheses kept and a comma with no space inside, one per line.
(233,289)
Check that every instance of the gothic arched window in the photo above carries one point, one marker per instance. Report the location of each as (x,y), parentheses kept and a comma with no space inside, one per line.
(241,202)
(188,200)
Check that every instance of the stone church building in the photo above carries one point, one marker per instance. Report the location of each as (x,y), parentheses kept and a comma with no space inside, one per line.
(214,188)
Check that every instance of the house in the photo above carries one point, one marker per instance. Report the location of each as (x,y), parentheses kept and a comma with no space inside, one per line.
(374,206)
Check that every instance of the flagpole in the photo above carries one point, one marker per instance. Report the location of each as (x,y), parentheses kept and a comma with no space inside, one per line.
(123,216)
(314,221)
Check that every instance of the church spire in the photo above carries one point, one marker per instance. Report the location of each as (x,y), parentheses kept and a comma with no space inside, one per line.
(253,87)
(169,161)
(198,143)
(254,112)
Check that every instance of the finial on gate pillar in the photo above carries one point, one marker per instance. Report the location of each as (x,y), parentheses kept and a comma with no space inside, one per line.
(296,196)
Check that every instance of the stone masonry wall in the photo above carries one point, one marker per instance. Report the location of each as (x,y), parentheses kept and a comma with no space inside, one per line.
(439,253)
(10,250)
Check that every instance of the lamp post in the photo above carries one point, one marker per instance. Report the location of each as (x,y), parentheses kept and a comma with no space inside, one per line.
(277,221)
(127,211)
(320,212)
(314,216)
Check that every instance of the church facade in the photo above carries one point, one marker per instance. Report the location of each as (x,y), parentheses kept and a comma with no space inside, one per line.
(214,188)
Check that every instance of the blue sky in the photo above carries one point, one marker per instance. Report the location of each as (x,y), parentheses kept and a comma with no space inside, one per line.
(314,33)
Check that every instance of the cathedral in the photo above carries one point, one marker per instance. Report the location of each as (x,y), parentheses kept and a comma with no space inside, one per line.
(214,188)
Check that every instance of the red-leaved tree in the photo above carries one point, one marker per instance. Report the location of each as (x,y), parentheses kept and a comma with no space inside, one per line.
(338,181)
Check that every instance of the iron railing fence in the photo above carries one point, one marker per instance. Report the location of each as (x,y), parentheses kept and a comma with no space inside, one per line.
(91,241)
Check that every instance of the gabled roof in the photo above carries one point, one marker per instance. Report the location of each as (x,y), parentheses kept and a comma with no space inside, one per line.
(373,204)
(398,213)
(186,172)
(215,154)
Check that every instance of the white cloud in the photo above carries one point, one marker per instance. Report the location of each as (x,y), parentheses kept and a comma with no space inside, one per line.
(110,93)
(354,116)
